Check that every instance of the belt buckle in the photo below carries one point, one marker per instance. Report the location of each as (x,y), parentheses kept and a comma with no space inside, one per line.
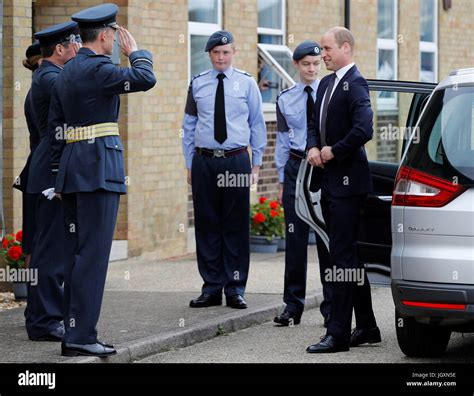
(219,153)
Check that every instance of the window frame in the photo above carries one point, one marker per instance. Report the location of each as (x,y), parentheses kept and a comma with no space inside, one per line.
(275,32)
(389,45)
(202,29)
(431,46)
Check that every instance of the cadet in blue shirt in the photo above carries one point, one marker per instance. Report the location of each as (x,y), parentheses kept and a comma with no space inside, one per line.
(89,164)
(294,108)
(45,299)
(223,116)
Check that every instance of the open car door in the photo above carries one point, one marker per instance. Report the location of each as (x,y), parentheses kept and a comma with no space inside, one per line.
(397,106)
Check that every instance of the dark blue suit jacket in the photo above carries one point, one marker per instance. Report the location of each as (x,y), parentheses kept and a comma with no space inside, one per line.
(44,78)
(87,93)
(348,127)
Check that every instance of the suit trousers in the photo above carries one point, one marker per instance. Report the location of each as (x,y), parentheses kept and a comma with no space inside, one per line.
(342,216)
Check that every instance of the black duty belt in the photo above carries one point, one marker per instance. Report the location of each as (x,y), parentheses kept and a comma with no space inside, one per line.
(219,153)
(297,154)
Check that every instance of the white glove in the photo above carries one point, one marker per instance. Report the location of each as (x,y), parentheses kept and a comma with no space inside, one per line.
(49,193)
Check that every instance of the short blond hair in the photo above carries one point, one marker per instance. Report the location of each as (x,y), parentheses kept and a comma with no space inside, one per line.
(343,35)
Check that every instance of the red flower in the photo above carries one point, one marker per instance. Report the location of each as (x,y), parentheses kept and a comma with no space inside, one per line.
(273,204)
(259,218)
(19,236)
(262,199)
(273,213)
(5,243)
(15,253)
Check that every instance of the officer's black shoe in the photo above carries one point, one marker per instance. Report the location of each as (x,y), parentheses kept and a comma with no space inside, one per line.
(205,300)
(104,344)
(97,349)
(287,318)
(236,301)
(328,344)
(55,336)
(364,336)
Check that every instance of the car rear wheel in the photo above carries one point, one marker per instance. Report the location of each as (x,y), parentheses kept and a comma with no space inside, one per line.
(420,340)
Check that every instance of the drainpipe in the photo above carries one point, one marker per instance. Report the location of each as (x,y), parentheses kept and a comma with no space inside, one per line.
(347,14)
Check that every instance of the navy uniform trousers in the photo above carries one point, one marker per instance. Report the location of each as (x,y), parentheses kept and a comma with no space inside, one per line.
(50,255)
(342,217)
(296,249)
(29,221)
(90,219)
(222,226)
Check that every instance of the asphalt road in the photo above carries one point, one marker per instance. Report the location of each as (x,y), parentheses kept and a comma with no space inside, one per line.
(268,343)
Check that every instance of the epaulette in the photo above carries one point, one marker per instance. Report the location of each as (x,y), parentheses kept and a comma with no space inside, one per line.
(200,75)
(243,72)
(285,90)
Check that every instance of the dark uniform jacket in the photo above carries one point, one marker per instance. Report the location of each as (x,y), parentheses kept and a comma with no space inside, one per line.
(34,135)
(44,78)
(87,93)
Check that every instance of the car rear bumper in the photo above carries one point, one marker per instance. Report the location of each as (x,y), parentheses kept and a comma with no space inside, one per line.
(421,293)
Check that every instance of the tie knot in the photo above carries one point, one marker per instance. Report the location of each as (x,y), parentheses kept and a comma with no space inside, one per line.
(221,76)
(308,89)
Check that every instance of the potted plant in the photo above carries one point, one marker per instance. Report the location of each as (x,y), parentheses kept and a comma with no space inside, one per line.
(12,254)
(266,226)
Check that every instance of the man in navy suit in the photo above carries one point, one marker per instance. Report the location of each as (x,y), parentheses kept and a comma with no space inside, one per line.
(341,125)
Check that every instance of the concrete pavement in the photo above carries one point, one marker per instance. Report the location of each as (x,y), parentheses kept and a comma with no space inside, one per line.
(269,343)
(145,309)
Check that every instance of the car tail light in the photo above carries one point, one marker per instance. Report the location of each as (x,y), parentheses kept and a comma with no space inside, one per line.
(433,305)
(416,188)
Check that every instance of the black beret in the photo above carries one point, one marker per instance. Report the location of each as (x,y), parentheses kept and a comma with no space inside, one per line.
(307,47)
(219,38)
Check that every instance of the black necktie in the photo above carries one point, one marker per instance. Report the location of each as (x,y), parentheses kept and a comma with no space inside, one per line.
(220,125)
(309,104)
(324,113)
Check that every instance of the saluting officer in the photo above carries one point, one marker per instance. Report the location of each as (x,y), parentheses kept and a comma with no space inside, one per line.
(89,164)
(223,116)
(45,300)
(294,107)
(31,62)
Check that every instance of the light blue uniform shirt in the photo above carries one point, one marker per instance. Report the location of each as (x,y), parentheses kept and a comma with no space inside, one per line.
(291,123)
(243,108)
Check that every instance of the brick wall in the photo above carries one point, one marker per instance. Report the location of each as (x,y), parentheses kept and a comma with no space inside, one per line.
(158,190)
(16,83)
(455,35)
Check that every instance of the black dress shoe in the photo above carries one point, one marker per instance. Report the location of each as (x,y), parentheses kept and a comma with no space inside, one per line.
(287,318)
(96,349)
(328,344)
(54,336)
(364,336)
(104,344)
(205,300)
(236,301)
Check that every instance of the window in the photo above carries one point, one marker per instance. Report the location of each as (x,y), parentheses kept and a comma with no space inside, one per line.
(204,19)
(275,64)
(386,49)
(428,41)
(271,21)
